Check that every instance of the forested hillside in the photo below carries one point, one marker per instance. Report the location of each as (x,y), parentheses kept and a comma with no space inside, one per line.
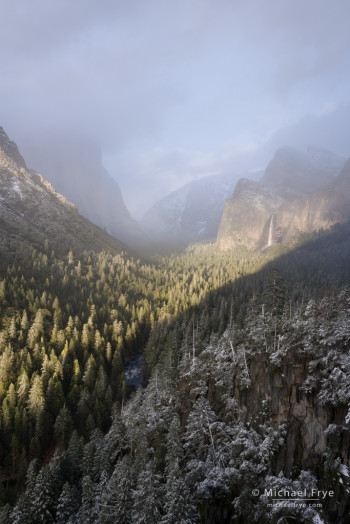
(209,324)
(68,326)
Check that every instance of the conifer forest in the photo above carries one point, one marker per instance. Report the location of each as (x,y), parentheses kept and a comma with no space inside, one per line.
(229,349)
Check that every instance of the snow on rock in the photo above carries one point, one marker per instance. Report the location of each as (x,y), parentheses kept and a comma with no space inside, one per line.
(16,188)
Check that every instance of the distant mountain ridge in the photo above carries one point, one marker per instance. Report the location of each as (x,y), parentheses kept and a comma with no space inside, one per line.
(32,212)
(190,214)
(298,193)
(293,172)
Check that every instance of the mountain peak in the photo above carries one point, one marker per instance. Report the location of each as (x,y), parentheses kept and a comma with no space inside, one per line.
(31,211)
(10,149)
(293,172)
(191,213)
(345,172)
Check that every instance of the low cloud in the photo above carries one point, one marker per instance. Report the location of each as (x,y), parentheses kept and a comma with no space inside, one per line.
(171,89)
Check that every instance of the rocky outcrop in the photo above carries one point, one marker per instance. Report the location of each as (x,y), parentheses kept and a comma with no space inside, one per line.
(320,210)
(280,393)
(247,216)
(278,210)
(9,153)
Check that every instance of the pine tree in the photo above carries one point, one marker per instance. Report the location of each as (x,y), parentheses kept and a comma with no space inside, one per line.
(36,401)
(115,443)
(23,388)
(63,425)
(88,508)
(178,502)
(32,475)
(174,446)
(199,435)
(74,456)
(147,497)
(67,504)
(178,505)
(116,503)
(12,329)
(5,511)
(90,373)
(275,293)
(22,512)
(43,503)
(57,472)
(24,321)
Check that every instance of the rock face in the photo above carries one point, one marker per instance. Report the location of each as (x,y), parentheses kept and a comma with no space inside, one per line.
(288,404)
(74,165)
(244,220)
(190,214)
(299,193)
(322,209)
(32,212)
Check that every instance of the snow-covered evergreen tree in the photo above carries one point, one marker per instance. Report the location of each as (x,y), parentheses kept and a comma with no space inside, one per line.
(179,505)
(116,501)
(87,513)
(147,497)
(43,502)
(68,504)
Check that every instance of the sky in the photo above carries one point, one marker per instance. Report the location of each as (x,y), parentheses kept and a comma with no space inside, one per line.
(173,91)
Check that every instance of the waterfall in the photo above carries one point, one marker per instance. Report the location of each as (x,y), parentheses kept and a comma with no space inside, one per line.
(269,242)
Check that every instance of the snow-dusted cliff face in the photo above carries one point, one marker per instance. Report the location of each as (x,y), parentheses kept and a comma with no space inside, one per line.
(299,193)
(32,211)
(190,214)
(74,165)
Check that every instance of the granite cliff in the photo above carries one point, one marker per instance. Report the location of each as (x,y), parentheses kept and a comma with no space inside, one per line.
(299,193)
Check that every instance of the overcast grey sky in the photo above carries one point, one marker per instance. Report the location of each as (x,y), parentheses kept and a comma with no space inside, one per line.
(173,90)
